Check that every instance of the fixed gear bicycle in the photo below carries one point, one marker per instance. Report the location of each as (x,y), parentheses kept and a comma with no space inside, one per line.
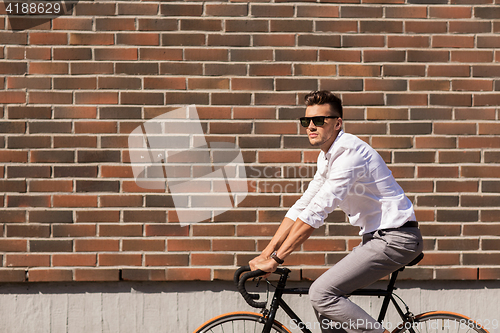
(264,322)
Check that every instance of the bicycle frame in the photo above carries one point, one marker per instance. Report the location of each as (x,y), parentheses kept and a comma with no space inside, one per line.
(278,301)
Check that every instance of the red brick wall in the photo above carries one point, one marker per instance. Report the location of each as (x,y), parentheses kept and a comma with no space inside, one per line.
(418,79)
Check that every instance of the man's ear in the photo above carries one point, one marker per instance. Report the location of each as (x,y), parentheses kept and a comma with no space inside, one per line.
(338,125)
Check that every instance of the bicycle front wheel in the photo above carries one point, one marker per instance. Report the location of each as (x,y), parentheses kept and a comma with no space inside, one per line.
(440,322)
(239,322)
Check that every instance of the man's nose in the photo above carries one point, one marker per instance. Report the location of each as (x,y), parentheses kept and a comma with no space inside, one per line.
(311,125)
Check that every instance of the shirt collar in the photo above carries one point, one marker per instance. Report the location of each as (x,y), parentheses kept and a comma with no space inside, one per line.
(331,149)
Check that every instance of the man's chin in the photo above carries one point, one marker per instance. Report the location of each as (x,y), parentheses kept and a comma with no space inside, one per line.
(315,143)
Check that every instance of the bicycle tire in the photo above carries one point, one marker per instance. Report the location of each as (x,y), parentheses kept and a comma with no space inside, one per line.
(442,322)
(239,322)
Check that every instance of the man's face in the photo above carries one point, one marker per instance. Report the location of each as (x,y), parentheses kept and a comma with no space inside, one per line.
(322,136)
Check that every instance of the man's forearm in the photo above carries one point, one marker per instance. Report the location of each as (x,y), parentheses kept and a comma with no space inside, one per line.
(279,237)
(298,234)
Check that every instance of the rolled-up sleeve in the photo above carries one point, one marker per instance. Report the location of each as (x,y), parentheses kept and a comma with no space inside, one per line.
(344,172)
(301,204)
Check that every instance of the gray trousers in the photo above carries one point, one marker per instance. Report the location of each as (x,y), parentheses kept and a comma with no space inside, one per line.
(380,254)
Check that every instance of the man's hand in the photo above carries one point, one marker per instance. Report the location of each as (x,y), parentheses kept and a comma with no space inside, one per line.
(253,263)
(264,264)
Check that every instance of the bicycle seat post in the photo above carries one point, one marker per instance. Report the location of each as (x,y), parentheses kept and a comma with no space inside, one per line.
(278,293)
(387,297)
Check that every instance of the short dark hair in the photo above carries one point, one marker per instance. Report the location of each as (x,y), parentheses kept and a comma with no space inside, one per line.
(325,97)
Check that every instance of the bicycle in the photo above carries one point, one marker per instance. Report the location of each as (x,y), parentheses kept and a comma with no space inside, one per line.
(246,322)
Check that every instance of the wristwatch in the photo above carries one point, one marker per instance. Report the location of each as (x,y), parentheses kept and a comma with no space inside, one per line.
(275,257)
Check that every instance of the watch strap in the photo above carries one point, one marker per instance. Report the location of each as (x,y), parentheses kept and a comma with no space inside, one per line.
(276,258)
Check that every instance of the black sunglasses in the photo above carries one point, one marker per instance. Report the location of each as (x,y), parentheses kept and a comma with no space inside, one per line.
(317,121)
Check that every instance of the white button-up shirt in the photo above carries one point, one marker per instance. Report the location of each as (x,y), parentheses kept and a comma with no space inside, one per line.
(353,176)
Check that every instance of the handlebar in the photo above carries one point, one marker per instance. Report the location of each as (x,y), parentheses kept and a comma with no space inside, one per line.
(240,282)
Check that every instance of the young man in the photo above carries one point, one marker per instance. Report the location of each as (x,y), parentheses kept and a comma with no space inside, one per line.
(350,175)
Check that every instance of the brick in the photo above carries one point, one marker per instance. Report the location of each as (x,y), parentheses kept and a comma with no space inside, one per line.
(371,99)
(486,273)
(457,215)
(381,26)
(50,216)
(119,259)
(211,259)
(29,83)
(403,70)
(83,68)
(28,201)
(393,142)
(72,23)
(454,128)
(447,229)
(478,142)
(457,273)
(256,230)
(188,274)
(51,245)
(48,38)
(137,9)
(74,201)
(486,12)
(27,260)
(75,171)
(479,200)
(96,274)
(363,41)
(181,9)
(14,156)
(256,25)
(183,39)
(91,39)
(114,24)
(167,259)
(440,259)
(459,156)
(226,9)
(116,54)
(12,275)
(104,9)
(13,216)
(361,12)
(157,24)
(73,230)
(479,113)
(406,12)
(438,201)
(480,258)
(337,26)
(129,230)
(78,259)
(120,201)
(426,26)
(201,24)
(143,245)
(213,230)
(144,216)
(74,112)
(266,10)
(451,99)
(452,41)
(481,229)
(93,245)
(143,274)
(317,11)
(291,25)
(457,186)
(50,275)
